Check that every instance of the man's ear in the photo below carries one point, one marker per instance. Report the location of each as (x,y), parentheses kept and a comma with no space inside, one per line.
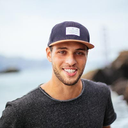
(48,53)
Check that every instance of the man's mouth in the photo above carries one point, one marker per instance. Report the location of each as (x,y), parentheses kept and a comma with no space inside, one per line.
(70,72)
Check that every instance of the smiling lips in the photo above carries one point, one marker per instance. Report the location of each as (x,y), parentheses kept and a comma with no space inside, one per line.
(70,72)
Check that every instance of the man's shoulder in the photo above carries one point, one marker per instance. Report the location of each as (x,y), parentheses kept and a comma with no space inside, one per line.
(93,82)
(26,99)
(96,86)
(17,110)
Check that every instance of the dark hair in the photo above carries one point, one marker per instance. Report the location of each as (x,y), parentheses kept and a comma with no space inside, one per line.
(50,48)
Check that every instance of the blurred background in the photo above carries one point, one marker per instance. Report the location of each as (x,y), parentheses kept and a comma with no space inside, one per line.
(25,27)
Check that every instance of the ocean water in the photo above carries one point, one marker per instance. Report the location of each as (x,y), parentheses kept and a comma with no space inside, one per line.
(15,85)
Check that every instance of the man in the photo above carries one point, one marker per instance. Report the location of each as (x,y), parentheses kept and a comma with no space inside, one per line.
(66,101)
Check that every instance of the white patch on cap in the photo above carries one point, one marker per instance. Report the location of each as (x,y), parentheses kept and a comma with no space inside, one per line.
(72,31)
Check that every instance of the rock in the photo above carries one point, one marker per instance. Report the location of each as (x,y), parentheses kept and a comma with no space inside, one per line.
(119,86)
(120,60)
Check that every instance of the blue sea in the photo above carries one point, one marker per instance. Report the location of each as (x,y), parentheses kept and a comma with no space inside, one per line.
(14,85)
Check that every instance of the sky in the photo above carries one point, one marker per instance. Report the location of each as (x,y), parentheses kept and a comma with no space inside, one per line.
(25,25)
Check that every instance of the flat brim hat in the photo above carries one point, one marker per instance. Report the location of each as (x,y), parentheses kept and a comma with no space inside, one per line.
(70,31)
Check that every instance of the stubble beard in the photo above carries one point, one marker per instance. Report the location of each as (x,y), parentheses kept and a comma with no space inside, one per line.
(63,80)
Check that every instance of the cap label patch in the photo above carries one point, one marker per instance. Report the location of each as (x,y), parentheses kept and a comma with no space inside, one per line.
(72,31)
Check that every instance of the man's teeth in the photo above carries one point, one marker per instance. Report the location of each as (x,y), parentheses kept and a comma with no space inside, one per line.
(69,70)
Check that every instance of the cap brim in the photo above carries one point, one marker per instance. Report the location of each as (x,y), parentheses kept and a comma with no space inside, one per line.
(90,46)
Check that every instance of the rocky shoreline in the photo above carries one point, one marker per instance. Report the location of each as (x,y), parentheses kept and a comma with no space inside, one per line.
(114,75)
(10,70)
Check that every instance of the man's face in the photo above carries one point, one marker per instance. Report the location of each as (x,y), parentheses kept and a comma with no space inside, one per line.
(68,61)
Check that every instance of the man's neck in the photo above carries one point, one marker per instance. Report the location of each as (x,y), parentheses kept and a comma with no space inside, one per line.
(61,91)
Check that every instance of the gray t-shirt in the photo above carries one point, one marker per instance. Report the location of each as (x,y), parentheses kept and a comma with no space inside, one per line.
(91,109)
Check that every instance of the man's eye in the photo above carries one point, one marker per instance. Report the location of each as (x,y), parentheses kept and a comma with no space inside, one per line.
(62,52)
(79,53)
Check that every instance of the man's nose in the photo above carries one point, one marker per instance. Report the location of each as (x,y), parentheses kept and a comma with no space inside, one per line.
(71,60)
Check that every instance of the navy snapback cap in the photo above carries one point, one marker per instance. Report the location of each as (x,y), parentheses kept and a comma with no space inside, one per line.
(70,31)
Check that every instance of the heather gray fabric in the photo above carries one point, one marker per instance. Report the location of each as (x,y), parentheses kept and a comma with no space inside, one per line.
(91,109)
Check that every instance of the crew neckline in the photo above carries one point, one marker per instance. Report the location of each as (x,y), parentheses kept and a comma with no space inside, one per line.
(50,97)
